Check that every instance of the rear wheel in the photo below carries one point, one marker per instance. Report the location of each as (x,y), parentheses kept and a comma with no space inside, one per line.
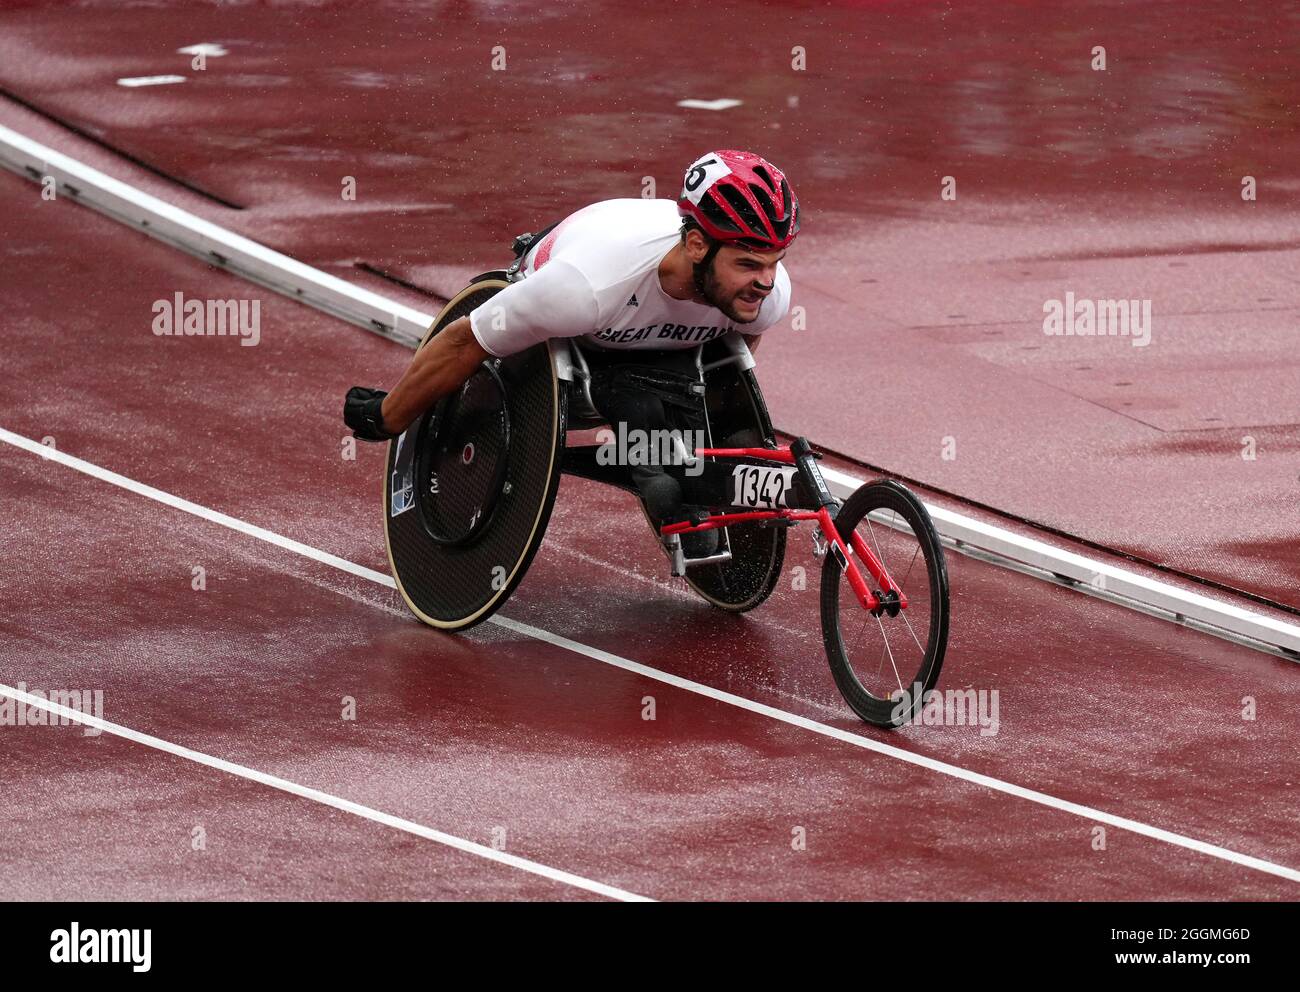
(746,581)
(469,486)
(885,661)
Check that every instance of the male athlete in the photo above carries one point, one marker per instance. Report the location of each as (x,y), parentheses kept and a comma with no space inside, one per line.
(640,284)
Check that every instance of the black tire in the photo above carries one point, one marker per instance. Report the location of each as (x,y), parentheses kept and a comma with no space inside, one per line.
(738,417)
(453,585)
(885,699)
(748,579)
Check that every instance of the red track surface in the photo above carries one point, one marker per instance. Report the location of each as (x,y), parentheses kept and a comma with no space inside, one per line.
(1100,706)
(1116,184)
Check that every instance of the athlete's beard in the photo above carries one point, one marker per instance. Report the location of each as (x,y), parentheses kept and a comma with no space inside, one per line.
(710,287)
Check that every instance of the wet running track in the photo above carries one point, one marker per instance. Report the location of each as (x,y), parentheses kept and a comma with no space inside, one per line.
(514,761)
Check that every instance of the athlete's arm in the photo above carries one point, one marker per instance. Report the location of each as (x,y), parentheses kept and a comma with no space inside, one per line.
(752,340)
(437,369)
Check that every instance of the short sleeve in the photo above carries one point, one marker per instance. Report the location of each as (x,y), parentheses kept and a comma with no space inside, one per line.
(775,307)
(556,301)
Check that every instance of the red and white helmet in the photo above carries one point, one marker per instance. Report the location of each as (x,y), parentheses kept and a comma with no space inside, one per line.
(740,197)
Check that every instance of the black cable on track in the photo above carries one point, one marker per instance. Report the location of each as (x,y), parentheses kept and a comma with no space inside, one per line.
(135,160)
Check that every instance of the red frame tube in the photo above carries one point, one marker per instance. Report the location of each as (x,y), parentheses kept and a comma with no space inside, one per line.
(859,548)
(771,454)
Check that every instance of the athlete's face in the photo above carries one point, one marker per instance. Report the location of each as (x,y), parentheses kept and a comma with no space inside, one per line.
(739,280)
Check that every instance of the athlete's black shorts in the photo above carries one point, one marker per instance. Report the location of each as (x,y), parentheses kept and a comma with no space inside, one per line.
(650,390)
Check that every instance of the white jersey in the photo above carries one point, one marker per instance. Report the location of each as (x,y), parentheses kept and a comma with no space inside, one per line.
(596,276)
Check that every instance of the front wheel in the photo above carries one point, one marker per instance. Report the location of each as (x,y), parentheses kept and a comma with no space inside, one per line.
(884,665)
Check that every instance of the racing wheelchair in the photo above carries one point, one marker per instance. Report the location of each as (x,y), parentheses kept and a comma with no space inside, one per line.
(469,487)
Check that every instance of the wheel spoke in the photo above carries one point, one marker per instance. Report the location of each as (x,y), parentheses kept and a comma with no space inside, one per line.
(897,678)
(908,574)
(879,557)
(851,648)
(860,630)
(903,614)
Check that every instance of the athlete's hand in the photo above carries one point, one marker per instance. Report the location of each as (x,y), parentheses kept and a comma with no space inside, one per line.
(362,411)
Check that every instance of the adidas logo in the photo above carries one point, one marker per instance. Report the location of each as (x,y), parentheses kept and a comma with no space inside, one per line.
(632,302)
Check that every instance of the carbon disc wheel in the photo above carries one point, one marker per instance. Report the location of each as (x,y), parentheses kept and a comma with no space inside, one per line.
(469,486)
(462,458)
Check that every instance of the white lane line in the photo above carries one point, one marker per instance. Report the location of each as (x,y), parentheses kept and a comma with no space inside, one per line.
(315,554)
(134,81)
(167,499)
(792,719)
(324,798)
(204,48)
(932,764)
(723,103)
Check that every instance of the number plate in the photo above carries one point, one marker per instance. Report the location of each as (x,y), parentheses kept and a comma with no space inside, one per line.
(758,486)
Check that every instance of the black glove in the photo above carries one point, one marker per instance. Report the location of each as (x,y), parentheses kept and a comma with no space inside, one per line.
(361,412)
